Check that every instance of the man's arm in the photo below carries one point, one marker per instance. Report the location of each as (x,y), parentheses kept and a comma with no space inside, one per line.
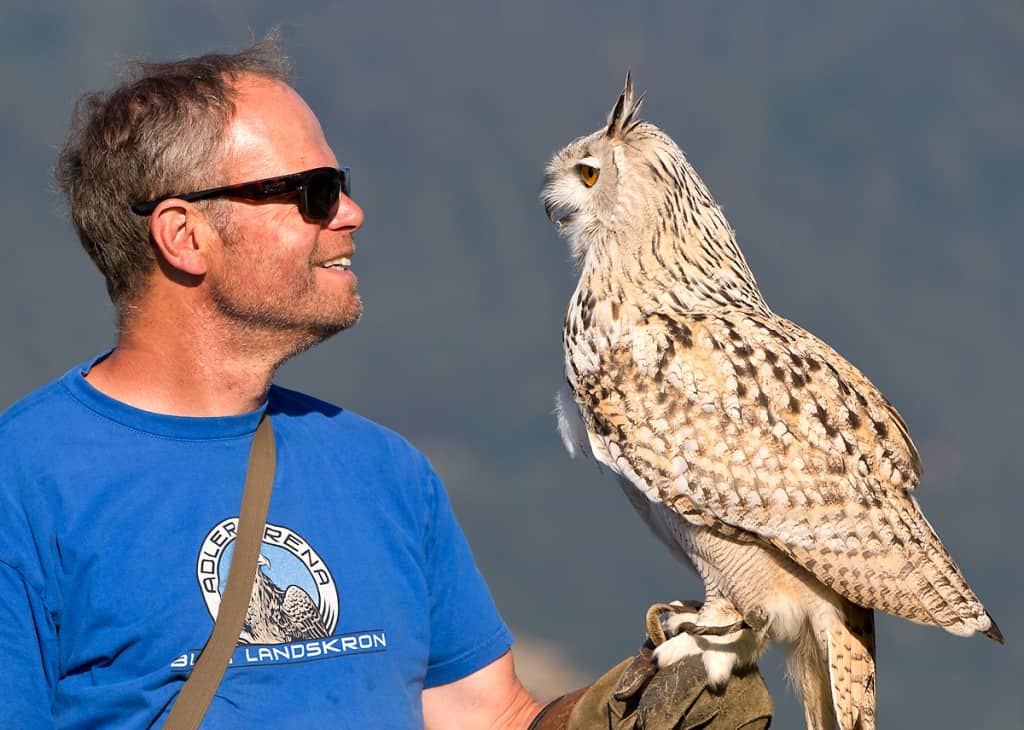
(492,697)
(26,641)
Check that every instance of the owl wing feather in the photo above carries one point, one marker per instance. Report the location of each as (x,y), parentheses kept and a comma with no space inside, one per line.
(747,423)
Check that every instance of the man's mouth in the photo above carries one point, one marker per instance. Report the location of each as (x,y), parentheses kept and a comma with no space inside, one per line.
(342,263)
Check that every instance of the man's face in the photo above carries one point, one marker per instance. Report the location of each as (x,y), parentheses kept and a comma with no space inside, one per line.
(270,273)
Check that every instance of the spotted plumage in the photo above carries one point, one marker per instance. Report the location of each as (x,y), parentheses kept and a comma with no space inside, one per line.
(757,453)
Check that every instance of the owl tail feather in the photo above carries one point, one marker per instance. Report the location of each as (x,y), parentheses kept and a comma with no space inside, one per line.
(833,666)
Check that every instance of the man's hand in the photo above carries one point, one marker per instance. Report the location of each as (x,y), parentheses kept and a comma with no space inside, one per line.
(637,695)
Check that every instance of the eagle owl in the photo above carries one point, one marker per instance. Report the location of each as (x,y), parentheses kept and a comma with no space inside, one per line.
(753,450)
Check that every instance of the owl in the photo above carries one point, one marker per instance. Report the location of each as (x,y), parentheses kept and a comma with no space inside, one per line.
(758,455)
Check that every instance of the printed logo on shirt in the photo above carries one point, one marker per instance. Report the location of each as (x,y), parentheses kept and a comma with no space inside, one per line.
(294,608)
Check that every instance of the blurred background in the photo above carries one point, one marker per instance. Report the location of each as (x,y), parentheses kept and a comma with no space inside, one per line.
(869,156)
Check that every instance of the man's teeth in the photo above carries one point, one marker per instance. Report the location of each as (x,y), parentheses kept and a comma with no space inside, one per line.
(341,263)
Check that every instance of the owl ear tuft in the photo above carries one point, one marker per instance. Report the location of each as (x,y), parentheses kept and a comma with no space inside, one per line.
(622,117)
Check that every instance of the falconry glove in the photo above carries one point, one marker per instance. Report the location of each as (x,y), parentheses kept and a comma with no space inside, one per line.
(637,695)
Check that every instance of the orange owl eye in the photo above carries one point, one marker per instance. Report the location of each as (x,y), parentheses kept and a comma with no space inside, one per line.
(589,175)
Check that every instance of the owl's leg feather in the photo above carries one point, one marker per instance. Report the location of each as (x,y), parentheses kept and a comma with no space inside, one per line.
(719,634)
(851,668)
(832,664)
(806,668)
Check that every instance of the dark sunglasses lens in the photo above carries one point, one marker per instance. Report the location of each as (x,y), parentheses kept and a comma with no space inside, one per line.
(322,190)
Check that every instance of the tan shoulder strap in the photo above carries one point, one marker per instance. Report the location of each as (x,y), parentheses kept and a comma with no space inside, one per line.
(209,668)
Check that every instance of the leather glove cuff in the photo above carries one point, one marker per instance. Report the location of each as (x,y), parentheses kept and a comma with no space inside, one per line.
(555,715)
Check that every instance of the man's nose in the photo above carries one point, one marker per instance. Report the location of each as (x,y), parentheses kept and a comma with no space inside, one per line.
(348,216)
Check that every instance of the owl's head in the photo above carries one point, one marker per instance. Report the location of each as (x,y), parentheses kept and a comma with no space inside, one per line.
(610,181)
(632,206)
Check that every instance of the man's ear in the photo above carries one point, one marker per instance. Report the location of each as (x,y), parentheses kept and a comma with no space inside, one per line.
(182,236)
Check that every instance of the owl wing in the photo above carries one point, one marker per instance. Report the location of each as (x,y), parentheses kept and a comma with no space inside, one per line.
(752,426)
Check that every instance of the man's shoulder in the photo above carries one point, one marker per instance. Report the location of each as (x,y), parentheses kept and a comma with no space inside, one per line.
(44,407)
(328,420)
(29,428)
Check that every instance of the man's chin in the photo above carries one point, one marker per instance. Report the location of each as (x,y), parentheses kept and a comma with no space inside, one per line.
(345,320)
(318,332)
(297,332)
(354,314)
(329,329)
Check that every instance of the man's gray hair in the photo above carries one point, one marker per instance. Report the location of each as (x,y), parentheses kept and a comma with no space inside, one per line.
(159,132)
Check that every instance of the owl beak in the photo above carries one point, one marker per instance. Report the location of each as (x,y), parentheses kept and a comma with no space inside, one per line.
(558,213)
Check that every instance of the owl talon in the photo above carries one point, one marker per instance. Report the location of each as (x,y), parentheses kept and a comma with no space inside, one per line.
(674,618)
(698,630)
(664,619)
(722,647)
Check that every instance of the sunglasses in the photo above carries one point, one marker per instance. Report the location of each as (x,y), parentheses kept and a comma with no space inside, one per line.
(319,190)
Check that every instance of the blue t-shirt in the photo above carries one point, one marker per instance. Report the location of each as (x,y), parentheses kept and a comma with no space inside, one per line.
(116,531)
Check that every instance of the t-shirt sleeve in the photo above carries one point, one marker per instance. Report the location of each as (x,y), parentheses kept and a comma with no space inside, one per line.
(466,631)
(27,645)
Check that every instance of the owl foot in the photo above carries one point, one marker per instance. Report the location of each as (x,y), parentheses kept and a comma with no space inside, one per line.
(716,631)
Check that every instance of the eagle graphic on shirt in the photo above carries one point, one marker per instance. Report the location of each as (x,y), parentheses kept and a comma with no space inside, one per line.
(278,616)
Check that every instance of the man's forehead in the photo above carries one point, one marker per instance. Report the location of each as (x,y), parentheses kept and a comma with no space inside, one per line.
(273,132)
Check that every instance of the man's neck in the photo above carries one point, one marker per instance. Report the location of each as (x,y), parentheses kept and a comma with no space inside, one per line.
(182,369)
(180,384)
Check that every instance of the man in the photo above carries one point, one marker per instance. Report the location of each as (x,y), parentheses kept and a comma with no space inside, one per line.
(120,483)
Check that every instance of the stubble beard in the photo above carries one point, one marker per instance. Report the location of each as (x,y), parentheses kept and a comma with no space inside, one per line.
(291,324)
(302,320)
